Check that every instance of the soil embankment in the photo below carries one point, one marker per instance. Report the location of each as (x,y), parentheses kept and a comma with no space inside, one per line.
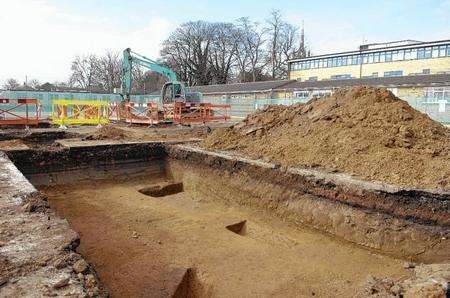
(365,132)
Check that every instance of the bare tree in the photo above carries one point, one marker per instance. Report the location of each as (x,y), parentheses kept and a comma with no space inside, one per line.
(251,51)
(187,52)
(223,51)
(285,42)
(11,84)
(85,72)
(274,28)
(109,70)
(33,83)
(203,53)
(242,58)
(146,81)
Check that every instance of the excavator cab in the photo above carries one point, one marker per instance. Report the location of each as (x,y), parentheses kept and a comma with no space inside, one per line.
(173,91)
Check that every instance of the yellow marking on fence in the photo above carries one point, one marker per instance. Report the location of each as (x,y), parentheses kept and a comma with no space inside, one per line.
(68,111)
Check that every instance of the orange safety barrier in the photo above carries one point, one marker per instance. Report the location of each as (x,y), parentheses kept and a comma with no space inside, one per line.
(187,112)
(10,115)
(142,113)
(177,112)
(115,112)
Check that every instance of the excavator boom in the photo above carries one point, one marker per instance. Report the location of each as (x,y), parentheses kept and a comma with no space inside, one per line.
(130,58)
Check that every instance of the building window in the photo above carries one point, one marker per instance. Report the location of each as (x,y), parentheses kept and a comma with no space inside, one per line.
(376,57)
(428,53)
(301,94)
(442,51)
(368,58)
(396,73)
(375,74)
(365,58)
(329,64)
(397,55)
(421,53)
(345,61)
(413,54)
(407,54)
(358,59)
(340,77)
(426,71)
(388,56)
(435,52)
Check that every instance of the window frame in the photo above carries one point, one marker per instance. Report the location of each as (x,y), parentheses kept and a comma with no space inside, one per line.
(428,52)
(388,56)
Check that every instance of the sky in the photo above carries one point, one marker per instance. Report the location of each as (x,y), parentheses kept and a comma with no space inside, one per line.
(40,38)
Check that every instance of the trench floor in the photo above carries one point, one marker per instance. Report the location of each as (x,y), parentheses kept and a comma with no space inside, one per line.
(141,245)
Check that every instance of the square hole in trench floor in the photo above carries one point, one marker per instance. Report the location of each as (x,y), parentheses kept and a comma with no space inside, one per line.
(239,228)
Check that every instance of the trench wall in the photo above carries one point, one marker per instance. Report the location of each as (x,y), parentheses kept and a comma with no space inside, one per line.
(37,248)
(85,157)
(410,224)
(406,223)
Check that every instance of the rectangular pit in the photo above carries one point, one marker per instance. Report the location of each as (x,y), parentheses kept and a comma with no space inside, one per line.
(140,244)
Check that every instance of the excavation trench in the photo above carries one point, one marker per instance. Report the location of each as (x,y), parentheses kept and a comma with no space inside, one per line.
(172,220)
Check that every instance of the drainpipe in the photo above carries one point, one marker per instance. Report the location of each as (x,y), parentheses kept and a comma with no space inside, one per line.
(360,64)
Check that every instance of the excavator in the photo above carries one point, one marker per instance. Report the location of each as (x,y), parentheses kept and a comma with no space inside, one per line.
(177,105)
(172,91)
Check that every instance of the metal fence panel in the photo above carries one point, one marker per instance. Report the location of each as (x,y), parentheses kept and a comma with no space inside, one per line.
(437,108)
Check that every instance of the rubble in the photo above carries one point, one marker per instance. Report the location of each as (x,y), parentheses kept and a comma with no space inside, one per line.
(430,280)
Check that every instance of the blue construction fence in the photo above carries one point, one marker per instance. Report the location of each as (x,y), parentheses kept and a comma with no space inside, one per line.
(437,108)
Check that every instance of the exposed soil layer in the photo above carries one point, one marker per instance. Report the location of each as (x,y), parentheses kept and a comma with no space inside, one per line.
(12,144)
(179,246)
(366,132)
(77,157)
(409,224)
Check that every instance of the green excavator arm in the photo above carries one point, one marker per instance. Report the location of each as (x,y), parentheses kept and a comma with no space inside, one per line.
(130,58)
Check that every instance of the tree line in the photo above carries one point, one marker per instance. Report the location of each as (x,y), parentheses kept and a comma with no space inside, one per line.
(201,53)
(204,53)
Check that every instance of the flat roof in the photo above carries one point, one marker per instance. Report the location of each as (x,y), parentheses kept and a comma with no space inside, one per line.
(292,85)
(397,47)
(260,86)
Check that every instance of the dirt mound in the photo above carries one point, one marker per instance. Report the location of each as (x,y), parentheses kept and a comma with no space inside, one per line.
(366,132)
(108,132)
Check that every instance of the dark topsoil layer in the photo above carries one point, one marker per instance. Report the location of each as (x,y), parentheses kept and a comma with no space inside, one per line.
(366,132)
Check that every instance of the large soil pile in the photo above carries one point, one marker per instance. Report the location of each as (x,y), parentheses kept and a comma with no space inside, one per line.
(366,132)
